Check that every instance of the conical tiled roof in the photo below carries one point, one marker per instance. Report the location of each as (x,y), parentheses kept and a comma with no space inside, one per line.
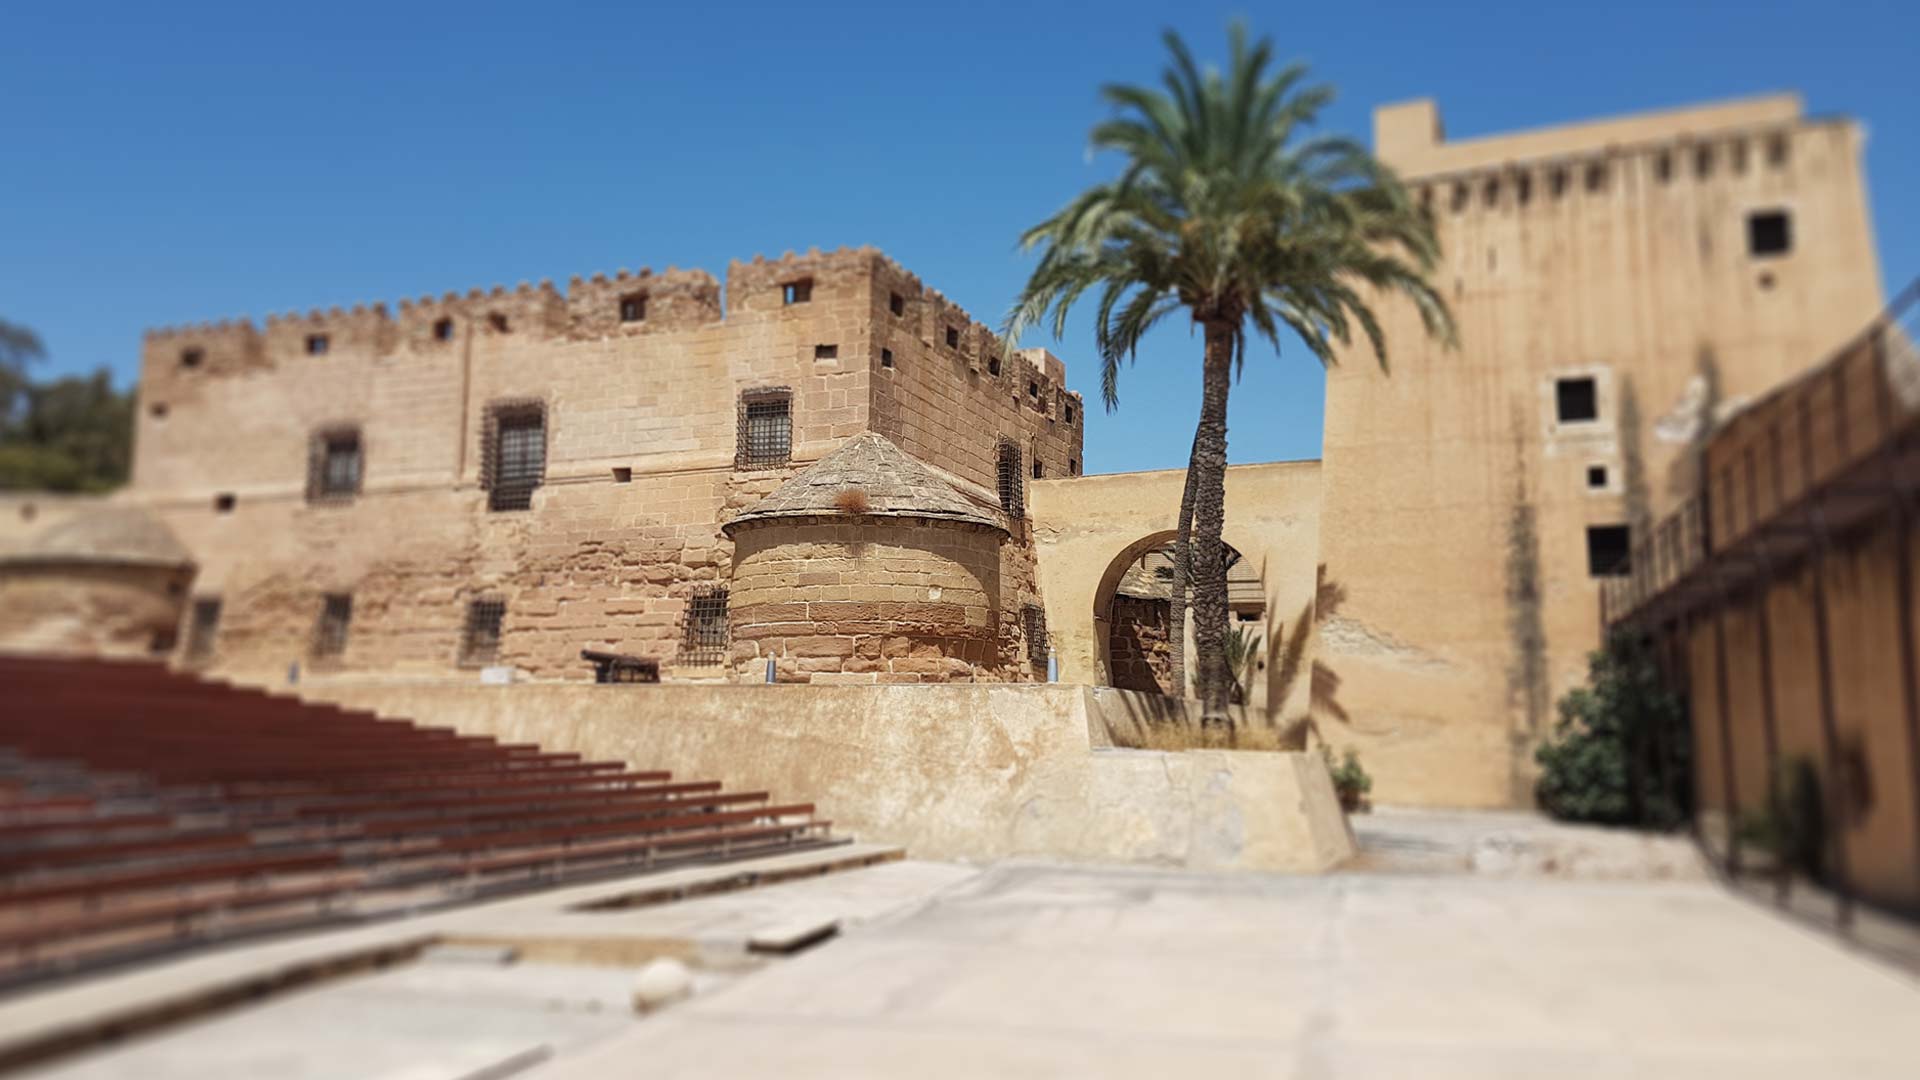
(894,484)
(111,534)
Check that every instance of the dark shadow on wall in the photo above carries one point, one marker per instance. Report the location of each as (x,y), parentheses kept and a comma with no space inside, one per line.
(1288,651)
(1527,689)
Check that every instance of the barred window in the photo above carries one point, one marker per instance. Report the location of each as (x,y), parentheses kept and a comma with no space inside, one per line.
(633,308)
(703,636)
(513,459)
(330,630)
(334,464)
(766,429)
(1036,624)
(1012,499)
(480,643)
(203,626)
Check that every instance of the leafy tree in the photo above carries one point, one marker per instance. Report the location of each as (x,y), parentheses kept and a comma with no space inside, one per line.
(1223,210)
(1618,755)
(69,434)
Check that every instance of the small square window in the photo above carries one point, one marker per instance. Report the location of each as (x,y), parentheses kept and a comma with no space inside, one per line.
(157,410)
(1596,476)
(622,474)
(498,322)
(224,502)
(797,292)
(1597,177)
(317,344)
(1039,470)
(1608,551)
(1033,390)
(1557,182)
(1703,162)
(886,357)
(1576,400)
(826,352)
(192,357)
(1769,232)
(993,365)
(953,338)
(1069,412)
(1777,151)
(443,330)
(480,642)
(633,308)
(897,304)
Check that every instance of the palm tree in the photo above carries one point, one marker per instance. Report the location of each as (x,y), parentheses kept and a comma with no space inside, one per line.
(1221,209)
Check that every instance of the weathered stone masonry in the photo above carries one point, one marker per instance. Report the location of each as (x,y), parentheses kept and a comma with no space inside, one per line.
(630,394)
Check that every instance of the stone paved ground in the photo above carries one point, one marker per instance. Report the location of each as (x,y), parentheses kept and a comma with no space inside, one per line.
(1041,970)
(1031,969)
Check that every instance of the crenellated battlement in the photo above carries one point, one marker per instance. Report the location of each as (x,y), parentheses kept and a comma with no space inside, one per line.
(624,303)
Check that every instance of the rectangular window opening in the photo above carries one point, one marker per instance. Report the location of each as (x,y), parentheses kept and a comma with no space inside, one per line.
(1035,620)
(203,626)
(317,344)
(1608,551)
(1576,400)
(766,429)
(633,308)
(443,330)
(224,502)
(336,464)
(514,460)
(826,352)
(1596,476)
(1769,232)
(953,338)
(703,636)
(622,474)
(797,292)
(480,641)
(897,303)
(1596,177)
(191,358)
(1007,471)
(330,631)
(886,357)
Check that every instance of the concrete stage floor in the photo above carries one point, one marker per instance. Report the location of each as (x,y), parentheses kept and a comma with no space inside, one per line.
(1030,969)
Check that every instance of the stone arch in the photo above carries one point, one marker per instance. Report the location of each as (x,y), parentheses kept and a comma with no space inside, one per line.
(1106,592)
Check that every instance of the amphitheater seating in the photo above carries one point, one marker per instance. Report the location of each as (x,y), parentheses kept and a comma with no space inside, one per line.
(143,810)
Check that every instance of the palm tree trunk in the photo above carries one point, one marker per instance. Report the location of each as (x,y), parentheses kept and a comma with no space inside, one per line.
(1209,467)
(1182,572)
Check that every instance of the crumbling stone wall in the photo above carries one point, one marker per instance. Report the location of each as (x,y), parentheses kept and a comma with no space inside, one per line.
(1142,654)
(90,609)
(642,419)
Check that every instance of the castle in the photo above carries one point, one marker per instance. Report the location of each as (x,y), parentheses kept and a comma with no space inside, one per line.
(836,475)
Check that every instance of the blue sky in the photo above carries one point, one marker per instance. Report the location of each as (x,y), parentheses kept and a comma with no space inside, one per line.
(167,163)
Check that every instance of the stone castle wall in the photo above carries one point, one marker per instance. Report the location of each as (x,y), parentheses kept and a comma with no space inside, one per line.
(642,420)
(1458,499)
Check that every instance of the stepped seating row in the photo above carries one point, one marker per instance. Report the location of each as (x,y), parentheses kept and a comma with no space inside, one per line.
(142,809)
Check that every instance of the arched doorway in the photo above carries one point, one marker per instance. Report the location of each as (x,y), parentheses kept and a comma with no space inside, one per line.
(1134,606)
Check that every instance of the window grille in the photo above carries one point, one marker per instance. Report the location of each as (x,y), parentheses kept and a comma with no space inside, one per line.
(633,308)
(334,464)
(766,429)
(330,631)
(1012,500)
(480,643)
(513,454)
(203,627)
(1036,624)
(703,636)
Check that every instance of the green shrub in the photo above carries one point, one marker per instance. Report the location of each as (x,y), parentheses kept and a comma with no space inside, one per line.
(1619,752)
(1350,781)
